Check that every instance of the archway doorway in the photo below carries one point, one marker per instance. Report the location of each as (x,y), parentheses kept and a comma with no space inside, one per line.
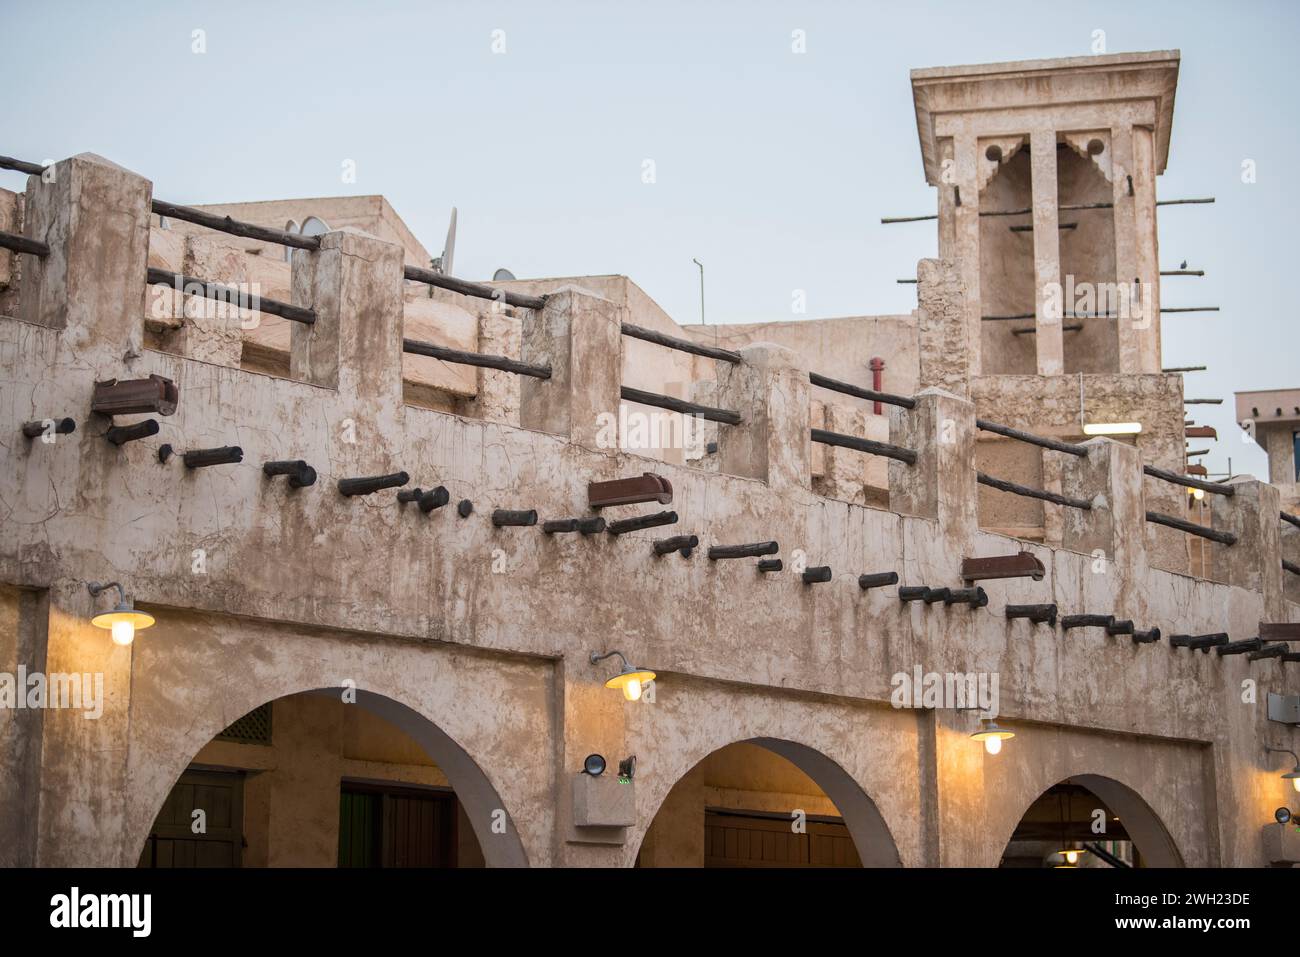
(331,778)
(769,803)
(1090,820)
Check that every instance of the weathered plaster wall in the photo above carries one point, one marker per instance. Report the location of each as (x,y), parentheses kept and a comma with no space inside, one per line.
(1050,406)
(484,633)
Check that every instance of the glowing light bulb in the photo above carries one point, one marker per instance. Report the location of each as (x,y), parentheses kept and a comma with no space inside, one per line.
(1295,783)
(123,632)
(632,690)
(993,745)
(1072,857)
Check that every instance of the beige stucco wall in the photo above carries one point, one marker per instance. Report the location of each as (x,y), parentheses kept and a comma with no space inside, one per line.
(477,638)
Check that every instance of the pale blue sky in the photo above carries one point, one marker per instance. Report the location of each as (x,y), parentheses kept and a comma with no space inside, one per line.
(772,168)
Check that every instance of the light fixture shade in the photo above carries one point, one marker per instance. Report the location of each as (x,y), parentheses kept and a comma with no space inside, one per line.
(1071,854)
(630,680)
(991,731)
(123,621)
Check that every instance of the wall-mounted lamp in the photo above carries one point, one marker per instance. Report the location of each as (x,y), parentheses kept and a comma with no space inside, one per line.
(992,735)
(1294,774)
(627,769)
(629,680)
(123,620)
(1112,428)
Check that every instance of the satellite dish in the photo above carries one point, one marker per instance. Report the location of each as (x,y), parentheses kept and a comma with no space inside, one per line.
(502,274)
(446,260)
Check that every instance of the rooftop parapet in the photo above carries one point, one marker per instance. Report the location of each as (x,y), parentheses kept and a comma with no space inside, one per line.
(350,285)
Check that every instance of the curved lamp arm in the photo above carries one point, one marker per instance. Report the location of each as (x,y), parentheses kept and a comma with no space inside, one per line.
(95,589)
(1285,751)
(597,658)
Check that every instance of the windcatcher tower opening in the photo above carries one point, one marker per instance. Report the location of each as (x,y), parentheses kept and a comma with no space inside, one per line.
(1046,180)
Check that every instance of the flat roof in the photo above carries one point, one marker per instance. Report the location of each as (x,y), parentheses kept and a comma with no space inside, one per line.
(1109,78)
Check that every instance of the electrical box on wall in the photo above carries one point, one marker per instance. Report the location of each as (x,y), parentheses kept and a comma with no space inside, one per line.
(1284,708)
(603,801)
(1282,843)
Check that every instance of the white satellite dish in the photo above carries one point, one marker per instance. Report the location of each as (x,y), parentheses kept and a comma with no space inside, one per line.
(443,263)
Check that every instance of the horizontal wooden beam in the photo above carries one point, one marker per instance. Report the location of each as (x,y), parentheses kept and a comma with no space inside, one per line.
(476,289)
(502,363)
(1191,528)
(871,395)
(1025,211)
(681,345)
(725,416)
(869,446)
(21,244)
(1174,478)
(984,425)
(191,286)
(1026,491)
(752,550)
(235,227)
(21,166)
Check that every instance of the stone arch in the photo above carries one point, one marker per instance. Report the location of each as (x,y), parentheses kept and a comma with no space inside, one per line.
(1143,824)
(472,786)
(446,700)
(871,834)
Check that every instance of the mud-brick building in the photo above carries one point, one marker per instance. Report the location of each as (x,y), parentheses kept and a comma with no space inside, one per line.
(372,521)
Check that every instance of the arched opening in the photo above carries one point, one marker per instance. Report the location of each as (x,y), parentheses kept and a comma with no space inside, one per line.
(1087,256)
(332,777)
(766,802)
(1089,820)
(1007,268)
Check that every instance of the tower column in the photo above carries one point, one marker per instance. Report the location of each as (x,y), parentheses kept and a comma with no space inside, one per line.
(1047,253)
(1147,245)
(1129,328)
(965,230)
